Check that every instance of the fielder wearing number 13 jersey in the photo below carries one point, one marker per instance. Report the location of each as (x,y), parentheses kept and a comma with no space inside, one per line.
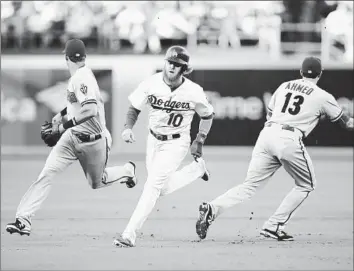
(293,112)
(172,101)
(300,104)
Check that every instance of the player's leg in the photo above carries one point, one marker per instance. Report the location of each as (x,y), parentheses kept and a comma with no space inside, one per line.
(298,164)
(93,157)
(262,166)
(185,176)
(122,173)
(166,160)
(151,149)
(60,157)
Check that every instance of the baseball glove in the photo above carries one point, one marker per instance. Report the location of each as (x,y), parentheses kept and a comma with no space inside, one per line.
(50,133)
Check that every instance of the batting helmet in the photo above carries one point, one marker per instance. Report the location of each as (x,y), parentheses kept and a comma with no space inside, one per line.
(179,55)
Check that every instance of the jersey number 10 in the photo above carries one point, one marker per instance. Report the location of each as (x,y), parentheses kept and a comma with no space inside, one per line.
(175,120)
(295,109)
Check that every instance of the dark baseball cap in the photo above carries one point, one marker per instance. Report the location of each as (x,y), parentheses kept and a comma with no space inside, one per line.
(75,48)
(311,67)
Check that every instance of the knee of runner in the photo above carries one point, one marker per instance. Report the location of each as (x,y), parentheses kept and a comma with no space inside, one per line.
(162,192)
(157,185)
(157,181)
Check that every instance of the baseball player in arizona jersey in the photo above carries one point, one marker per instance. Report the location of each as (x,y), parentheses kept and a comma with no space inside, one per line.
(293,112)
(172,100)
(84,137)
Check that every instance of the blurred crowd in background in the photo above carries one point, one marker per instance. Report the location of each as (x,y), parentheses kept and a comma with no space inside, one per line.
(152,26)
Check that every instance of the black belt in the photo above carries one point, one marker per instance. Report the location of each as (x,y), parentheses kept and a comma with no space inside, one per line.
(88,138)
(164,137)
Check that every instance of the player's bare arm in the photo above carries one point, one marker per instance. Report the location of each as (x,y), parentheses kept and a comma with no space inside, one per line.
(346,122)
(59,117)
(86,112)
(131,118)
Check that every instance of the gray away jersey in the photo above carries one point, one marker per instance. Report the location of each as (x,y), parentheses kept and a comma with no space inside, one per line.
(83,89)
(300,104)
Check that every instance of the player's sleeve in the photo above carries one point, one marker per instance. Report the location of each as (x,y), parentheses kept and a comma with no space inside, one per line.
(271,104)
(331,109)
(203,107)
(139,97)
(85,90)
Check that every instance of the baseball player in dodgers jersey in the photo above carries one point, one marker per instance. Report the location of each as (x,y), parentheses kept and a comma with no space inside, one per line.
(84,138)
(293,112)
(172,100)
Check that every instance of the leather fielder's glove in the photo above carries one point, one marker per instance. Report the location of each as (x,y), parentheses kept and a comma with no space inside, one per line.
(50,133)
(197,146)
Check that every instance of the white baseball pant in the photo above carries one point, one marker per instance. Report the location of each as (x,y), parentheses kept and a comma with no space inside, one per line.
(274,148)
(162,161)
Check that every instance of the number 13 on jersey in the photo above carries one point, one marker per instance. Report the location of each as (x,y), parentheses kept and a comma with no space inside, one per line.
(296,106)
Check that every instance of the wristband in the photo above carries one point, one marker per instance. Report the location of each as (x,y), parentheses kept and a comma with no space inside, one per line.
(63,112)
(201,138)
(69,124)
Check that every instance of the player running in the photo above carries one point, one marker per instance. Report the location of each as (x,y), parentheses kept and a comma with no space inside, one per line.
(84,137)
(172,100)
(293,112)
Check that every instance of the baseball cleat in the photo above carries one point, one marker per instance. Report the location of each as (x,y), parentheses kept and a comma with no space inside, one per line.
(204,221)
(278,235)
(206,175)
(132,181)
(122,242)
(18,227)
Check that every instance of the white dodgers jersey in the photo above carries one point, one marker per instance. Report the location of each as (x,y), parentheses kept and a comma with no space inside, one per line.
(300,103)
(83,89)
(170,112)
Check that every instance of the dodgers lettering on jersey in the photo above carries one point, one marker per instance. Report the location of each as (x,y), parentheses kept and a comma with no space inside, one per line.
(170,112)
(300,103)
(83,89)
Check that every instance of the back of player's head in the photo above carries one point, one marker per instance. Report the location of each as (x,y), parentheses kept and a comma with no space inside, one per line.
(179,54)
(75,50)
(311,67)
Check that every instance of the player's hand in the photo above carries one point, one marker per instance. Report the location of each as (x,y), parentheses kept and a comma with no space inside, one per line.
(128,136)
(197,146)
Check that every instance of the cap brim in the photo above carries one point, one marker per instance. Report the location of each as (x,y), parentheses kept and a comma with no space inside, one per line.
(176,60)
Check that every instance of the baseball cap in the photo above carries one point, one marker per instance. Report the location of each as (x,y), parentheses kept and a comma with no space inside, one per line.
(75,48)
(311,67)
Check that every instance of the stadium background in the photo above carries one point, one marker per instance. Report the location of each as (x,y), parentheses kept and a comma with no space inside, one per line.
(241,51)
